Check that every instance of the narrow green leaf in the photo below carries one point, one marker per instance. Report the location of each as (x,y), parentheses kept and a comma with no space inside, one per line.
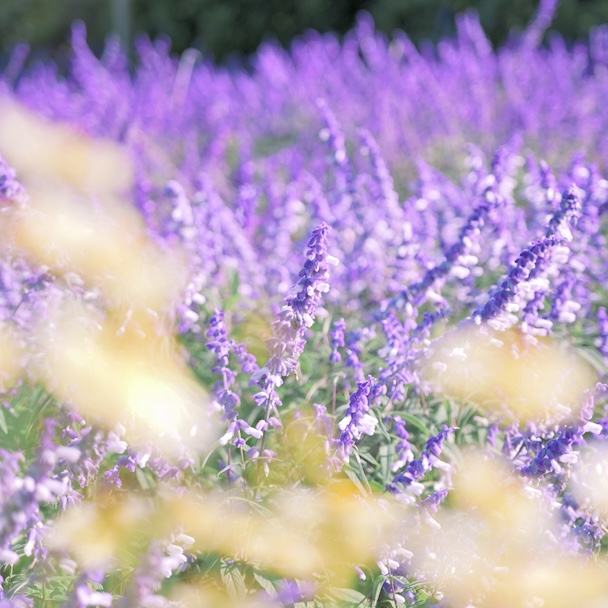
(265,584)
(348,595)
(377,590)
(3,421)
(353,477)
(234,581)
(384,453)
(415,421)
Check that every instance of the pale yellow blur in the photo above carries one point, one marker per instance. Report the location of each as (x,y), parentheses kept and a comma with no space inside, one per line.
(129,376)
(509,373)
(104,243)
(306,532)
(202,595)
(209,594)
(100,535)
(302,534)
(45,150)
(589,480)
(77,218)
(10,356)
(116,361)
(498,547)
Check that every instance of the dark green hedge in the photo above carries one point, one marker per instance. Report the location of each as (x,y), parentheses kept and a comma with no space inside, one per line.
(225,27)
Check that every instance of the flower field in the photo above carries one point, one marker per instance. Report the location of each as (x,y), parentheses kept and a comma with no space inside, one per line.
(329,329)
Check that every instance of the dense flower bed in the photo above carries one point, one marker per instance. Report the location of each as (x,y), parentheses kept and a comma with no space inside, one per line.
(329,330)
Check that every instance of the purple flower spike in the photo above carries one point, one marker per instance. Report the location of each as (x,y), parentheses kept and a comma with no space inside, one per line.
(299,310)
(357,421)
(10,189)
(566,215)
(336,336)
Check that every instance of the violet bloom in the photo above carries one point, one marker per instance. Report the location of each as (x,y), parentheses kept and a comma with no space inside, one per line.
(526,283)
(429,459)
(602,323)
(296,316)
(584,529)
(357,421)
(88,447)
(247,362)
(385,195)
(22,291)
(353,351)
(336,338)
(548,453)
(433,501)
(567,215)
(554,452)
(10,189)
(162,560)
(21,497)
(181,222)
(507,298)
(403,449)
(222,346)
(290,326)
(535,30)
(83,596)
(334,136)
(492,433)
(289,593)
(459,258)
(323,421)
(565,306)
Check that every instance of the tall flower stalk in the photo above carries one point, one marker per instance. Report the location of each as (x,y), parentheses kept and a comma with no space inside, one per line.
(293,321)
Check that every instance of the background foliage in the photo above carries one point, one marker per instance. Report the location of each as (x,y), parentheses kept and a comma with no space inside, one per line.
(226,27)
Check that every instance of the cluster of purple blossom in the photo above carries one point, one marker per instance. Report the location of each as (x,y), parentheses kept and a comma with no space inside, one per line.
(480,211)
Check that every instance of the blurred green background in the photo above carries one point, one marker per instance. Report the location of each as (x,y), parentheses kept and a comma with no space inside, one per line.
(223,28)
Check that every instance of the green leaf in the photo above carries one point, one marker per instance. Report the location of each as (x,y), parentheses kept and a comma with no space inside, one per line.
(377,590)
(377,487)
(234,581)
(384,453)
(353,477)
(265,584)
(593,357)
(3,422)
(415,421)
(367,457)
(142,478)
(348,595)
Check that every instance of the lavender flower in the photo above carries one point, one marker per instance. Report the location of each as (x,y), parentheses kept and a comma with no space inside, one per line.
(418,468)
(506,298)
(459,257)
(357,421)
(435,499)
(354,341)
(566,216)
(403,448)
(20,506)
(336,337)
(82,594)
(226,398)
(602,340)
(162,560)
(298,312)
(553,451)
(218,343)
(526,285)
(11,191)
